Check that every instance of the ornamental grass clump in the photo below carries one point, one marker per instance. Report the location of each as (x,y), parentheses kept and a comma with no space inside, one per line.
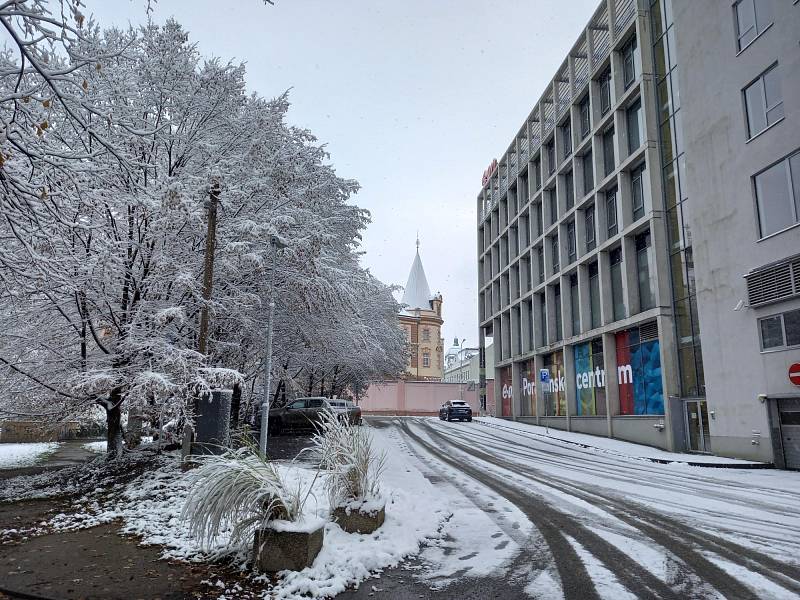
(353,465)
(237,493)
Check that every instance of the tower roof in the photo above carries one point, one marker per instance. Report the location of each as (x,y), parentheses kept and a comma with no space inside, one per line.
(417,293)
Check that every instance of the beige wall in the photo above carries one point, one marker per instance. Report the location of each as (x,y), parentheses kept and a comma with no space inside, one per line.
(419,397)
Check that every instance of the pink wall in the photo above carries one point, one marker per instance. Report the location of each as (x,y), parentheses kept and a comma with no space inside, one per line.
(419,397)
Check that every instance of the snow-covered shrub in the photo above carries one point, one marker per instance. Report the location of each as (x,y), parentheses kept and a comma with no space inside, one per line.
(237,493)
(353,464)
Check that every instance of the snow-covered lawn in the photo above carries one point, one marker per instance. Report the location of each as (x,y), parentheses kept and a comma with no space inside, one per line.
(98,447)
(13,456)
(606,445)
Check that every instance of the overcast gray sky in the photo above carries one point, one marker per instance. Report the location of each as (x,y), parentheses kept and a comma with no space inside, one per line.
(414,99)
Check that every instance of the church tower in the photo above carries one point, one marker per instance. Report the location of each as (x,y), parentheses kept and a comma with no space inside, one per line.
(421,320)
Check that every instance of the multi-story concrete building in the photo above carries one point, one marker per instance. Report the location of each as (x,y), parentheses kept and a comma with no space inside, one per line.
(739,76)
(586,262)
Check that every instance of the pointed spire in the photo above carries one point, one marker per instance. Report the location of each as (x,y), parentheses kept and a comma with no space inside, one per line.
(417,293)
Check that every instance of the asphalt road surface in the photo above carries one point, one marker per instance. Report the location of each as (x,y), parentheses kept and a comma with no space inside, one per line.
(601,525)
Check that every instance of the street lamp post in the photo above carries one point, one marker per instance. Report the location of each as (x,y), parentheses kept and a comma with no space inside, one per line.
(460,367)
(275,244)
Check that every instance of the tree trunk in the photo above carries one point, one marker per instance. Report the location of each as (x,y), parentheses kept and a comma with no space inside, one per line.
(322,386)
(113,406)
(236,401)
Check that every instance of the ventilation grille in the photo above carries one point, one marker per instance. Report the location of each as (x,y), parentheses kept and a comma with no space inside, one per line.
(648,332)
(774,283)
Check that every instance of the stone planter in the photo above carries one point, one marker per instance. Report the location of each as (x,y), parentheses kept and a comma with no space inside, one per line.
(355,520)
(286,550)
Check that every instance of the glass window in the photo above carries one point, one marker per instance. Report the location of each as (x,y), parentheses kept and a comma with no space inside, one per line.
(551,194)
(646,299)
(586,119)
(566,138)
(605,91)
(634,121)
(555,253)
(557,311)
(629,63)
(574,302)
(297,404)
(537,174)
(611,212)
(587,165)
(780,331)
(594,295)
(426,334)
(637,192)
(542,321)
(752,18)
(571,245)
(569,189)
(608,151)
(588,217)
(540,263)
(771,332)
(551,158)
(777,196)
(426,359)
(617,299)
(538,218)
(763,102)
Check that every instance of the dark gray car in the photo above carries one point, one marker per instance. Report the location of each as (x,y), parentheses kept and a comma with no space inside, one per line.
(303,413)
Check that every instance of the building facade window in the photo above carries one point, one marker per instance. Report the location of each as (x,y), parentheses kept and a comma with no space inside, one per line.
(542,320)
(752,17)
(643,245)
(557,313)
(587,165)
(574,303)
(553,199)
(566,139)
(537,219)
(778,195)
(572,251)
(634,122)
(594,296)
(608,152)
(611,212)
(551,158)
(426,359)
(555,399)
(629,63)
(537,174)
(640,389)
(584,110)
(540,263)
(426,334)
(637,192)
(605,91)
(780,331)
(569,189)
(591,392)
(588,220)
(763,102)
(555,253)
(617,294)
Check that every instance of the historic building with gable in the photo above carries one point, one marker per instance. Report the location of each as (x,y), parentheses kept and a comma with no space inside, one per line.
(421,320)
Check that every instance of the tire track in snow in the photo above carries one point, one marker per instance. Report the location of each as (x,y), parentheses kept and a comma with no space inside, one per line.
(576,582)
(664,531)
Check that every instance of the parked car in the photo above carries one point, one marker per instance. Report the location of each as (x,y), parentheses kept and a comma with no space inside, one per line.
(302,413)
(455,409)
(346,410)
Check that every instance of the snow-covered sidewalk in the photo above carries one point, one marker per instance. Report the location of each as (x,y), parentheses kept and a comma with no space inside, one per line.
(15,456)
(616,447)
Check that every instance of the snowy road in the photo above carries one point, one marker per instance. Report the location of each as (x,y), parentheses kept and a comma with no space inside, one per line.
(573,522)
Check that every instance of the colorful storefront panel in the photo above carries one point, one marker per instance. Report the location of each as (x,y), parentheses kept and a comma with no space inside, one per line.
(639,374)
(506,391)
(590,379)
(555,398)
(527,400)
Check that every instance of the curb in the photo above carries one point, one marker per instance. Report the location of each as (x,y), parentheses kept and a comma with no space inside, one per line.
(663,461)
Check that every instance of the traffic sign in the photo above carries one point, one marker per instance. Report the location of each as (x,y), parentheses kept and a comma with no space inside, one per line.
(794,373)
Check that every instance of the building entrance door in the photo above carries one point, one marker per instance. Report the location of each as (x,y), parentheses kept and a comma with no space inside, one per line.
(790,431)
(699,438)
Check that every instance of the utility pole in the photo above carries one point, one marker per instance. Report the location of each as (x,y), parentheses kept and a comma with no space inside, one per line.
(460,368)
(275,244)
(208,265)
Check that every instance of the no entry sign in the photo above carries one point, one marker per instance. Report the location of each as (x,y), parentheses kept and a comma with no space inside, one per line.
(794,373)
